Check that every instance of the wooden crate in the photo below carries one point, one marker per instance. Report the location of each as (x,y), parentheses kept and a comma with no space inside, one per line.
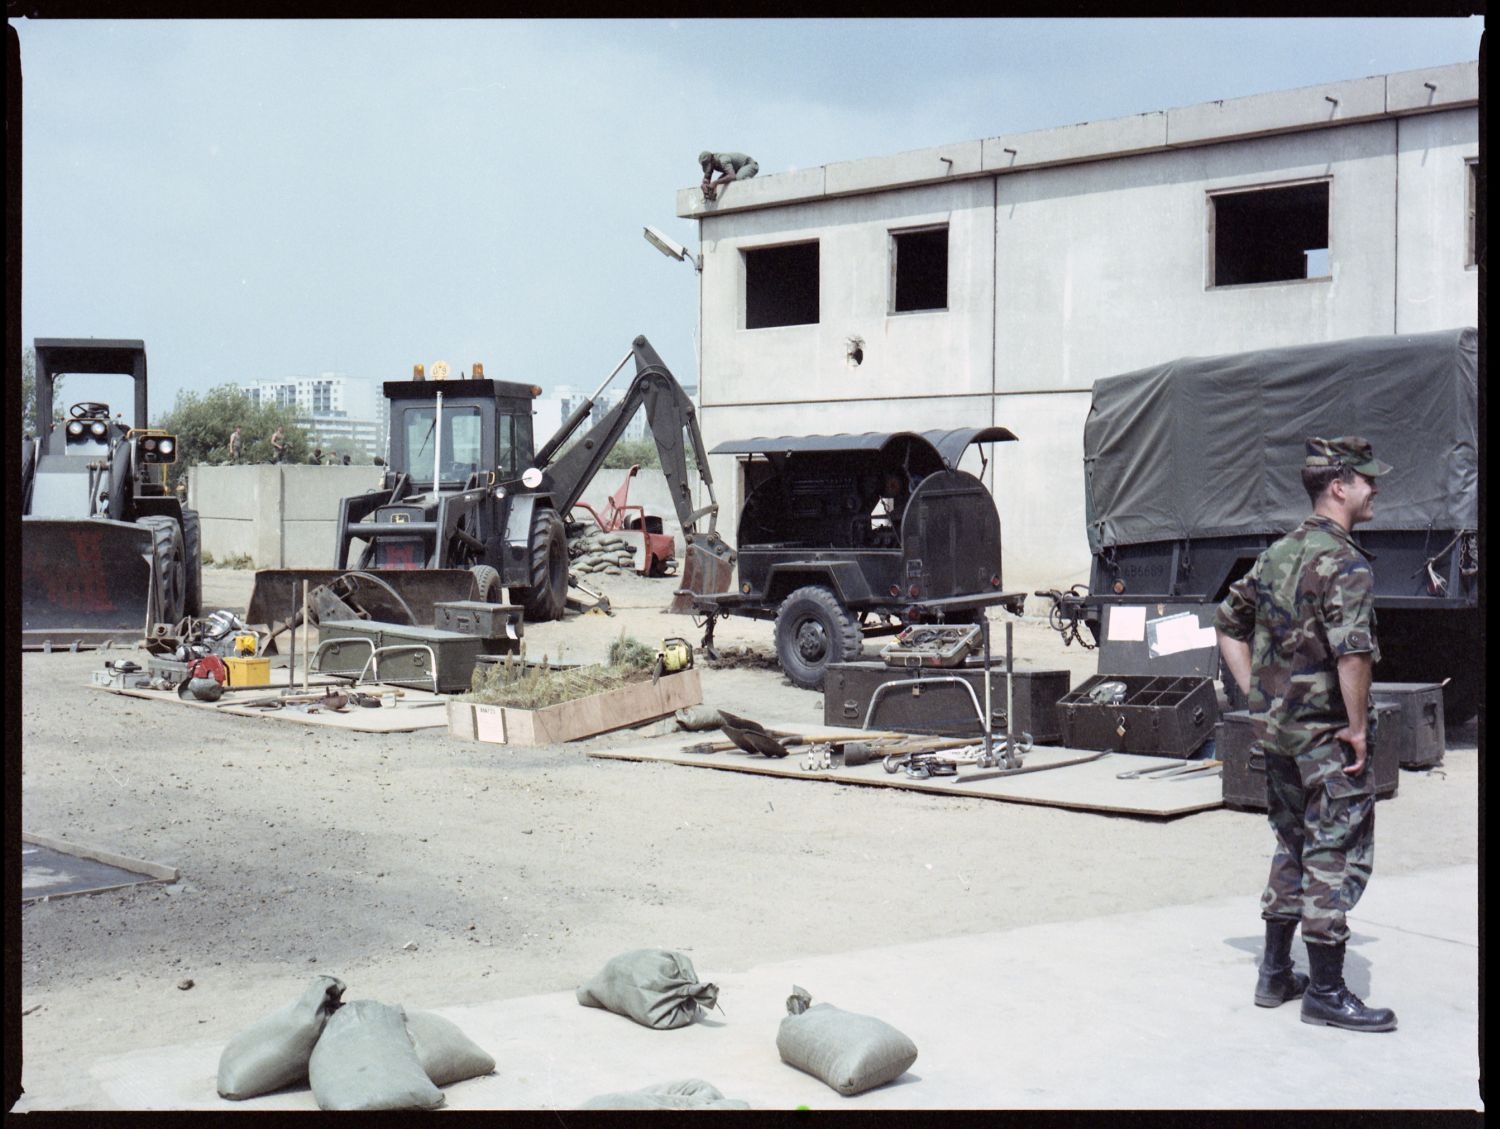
(580,718)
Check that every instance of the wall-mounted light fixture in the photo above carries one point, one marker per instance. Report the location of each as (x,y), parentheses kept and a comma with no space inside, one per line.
(670,247)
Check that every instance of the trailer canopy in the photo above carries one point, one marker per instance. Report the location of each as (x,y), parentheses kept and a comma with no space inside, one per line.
(1213,446)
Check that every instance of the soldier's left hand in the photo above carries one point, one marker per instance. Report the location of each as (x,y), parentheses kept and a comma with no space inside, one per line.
(1358,746)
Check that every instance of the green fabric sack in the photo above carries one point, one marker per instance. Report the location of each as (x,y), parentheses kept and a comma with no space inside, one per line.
(365,1060)
(655,987)
(273,1052)
(850,1052)
(446,1053)
(689,1093)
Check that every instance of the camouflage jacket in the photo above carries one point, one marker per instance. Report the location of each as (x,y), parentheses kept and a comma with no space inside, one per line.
(1308,600)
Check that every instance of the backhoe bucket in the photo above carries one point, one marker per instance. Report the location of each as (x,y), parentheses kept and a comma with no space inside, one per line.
(387,595)
(85,583)
(707,569)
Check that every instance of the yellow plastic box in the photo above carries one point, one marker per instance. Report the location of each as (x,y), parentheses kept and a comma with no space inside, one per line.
(248,672)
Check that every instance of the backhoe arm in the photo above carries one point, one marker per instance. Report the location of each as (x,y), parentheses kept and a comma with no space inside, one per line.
(671,416)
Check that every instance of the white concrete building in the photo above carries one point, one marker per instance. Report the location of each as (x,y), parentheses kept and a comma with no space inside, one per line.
(992,281)
(341,413)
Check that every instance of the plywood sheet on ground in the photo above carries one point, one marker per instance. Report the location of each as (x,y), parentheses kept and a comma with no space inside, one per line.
(1092,786)
(416,709)
(51,868)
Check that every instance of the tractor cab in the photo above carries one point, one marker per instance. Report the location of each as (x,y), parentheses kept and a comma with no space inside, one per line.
(459,434)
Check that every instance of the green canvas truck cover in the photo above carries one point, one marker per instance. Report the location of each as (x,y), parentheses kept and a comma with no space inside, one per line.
(1213,446)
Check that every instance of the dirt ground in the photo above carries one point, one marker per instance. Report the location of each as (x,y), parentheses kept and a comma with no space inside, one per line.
(430,871)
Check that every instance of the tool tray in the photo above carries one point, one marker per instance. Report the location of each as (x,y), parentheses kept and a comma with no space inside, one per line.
(941,645)
(1154,715)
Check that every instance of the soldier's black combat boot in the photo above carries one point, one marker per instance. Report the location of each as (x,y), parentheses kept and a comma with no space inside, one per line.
(1329,1001)
(1278,982)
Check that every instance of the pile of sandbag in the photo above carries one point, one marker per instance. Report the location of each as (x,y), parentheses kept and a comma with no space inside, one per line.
(360,1055)
(596,551)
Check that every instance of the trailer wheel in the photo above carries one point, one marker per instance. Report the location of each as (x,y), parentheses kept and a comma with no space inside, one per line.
(487,585)
(192,557)
(814,629)
(167,567)
(547,596)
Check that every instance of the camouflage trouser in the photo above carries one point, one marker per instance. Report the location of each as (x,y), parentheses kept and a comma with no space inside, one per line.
(1324,822)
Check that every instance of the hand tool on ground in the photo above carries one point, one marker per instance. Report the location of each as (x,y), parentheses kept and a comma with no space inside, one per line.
(1167,771)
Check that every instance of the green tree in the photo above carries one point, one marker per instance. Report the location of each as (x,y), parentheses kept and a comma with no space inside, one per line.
(28,392)
(203,423)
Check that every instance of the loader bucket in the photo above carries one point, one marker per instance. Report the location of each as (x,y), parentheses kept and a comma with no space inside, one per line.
(85,583)
(707,569)
(388,595)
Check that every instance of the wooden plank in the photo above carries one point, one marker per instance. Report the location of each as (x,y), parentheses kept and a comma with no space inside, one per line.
(98,854)
(1092,786)
(404,718)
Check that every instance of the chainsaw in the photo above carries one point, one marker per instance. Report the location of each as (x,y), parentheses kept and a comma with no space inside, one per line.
(676,655)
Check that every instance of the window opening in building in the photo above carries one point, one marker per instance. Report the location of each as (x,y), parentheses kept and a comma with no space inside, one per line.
(1270,234)
(781,286)
(919,270)
(1473,180)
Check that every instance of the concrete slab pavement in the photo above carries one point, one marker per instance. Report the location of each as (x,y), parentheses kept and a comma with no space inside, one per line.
(1139,1010)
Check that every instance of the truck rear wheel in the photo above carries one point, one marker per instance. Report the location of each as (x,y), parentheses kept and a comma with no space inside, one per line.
(167,567)
(192,564)
(547,595)
(814,629)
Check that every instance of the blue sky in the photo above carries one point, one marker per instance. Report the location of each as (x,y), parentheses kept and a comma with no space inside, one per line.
(265,199)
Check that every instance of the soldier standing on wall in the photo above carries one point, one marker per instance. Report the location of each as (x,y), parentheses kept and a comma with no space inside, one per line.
(236,443)
(1297,634)
(278,445)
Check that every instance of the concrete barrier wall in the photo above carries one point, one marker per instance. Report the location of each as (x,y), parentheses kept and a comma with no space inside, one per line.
(280,516)
(286,516)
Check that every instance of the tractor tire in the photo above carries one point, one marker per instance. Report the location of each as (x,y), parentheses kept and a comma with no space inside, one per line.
(813,629)
(167,564)
(546,597)
(487,584)
(192,557)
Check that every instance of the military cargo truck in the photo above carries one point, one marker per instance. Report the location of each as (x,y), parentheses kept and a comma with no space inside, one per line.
(1193,467)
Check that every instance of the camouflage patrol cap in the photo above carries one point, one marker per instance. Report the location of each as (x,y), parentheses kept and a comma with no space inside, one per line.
(705,156)
(1347,450)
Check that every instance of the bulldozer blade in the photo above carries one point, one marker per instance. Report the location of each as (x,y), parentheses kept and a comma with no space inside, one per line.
(707,569)
(85,583)
(410,599)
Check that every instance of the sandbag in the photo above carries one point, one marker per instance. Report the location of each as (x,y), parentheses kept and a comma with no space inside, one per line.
(655,987)
(446,1053)
(273,1052)
(365,1060)
(697,718)
(689,1093)
(850,1052)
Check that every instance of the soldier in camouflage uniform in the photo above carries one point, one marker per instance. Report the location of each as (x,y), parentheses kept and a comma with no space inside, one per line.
(1297,633)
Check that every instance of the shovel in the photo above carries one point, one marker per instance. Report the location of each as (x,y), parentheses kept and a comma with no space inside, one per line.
(752,736)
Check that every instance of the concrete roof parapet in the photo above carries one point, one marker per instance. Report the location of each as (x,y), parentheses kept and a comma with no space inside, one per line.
(918,166)
(1415,92)
(1082,142)
(1451,86)
(1280,111)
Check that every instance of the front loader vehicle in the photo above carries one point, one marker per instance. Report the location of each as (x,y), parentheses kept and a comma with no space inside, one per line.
(467,508)
(844,537)
(107,550)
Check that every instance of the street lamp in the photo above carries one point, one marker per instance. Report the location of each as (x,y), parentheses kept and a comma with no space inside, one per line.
(670,247)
